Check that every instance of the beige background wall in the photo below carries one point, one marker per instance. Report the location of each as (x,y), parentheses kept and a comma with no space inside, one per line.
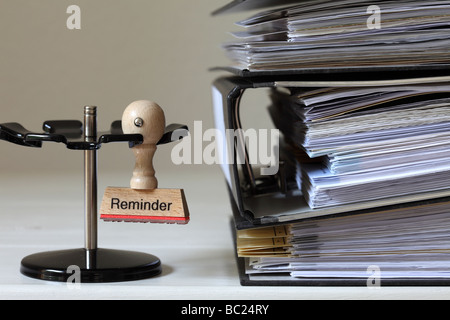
(126,50)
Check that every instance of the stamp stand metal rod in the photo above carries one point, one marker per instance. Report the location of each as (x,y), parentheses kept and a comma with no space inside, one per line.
(90,184)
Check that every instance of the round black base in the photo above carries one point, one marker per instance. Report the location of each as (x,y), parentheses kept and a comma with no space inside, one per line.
(100,265)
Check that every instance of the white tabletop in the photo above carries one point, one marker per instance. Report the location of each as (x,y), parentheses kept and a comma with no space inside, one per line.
(198,259)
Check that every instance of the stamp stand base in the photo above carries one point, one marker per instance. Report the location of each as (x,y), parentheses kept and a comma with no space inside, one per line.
(95,266)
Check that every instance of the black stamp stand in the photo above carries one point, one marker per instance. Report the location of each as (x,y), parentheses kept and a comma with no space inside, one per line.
(94,264)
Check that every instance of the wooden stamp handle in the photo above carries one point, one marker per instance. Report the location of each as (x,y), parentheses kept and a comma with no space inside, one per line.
(146,118)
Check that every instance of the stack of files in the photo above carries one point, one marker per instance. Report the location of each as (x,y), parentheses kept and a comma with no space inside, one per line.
(364,113)
(389,246)
(351,34)
(368,143)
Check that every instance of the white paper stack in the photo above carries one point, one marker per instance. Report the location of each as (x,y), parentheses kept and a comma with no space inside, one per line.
(370,142)
(344,33)
(405,243)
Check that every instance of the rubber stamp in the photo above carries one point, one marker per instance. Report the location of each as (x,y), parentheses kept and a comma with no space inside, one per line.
(143,201)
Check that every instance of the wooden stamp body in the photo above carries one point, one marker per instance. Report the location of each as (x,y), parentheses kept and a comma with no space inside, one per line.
(144,173)
(157,205)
